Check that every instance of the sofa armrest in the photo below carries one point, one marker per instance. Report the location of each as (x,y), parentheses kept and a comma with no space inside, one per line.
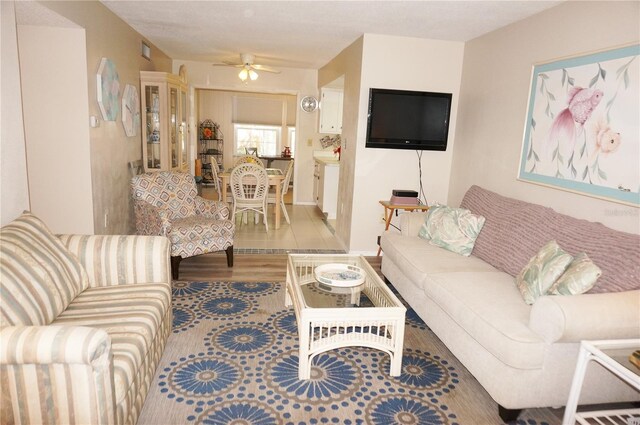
(411,222)
(120,260)
(214,209)
(558,318)
(45,366)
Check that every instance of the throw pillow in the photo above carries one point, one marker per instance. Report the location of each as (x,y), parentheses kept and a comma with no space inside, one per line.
(542,271)
(39,277)
(580,276)
(454,229)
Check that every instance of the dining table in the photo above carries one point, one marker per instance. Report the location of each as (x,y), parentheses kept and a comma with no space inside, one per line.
(275,176)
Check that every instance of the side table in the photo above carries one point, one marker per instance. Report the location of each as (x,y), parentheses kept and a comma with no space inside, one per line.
(390,208)
(614,356)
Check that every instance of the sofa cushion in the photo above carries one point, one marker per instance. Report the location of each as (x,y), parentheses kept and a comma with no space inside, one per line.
(578,278)
(199,234)
(514,230)
(38,275)
(542,271)
(489,307)
(416,258)
(131,315)
(454,229)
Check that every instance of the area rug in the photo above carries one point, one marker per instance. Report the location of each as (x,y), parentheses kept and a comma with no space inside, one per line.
(233,359)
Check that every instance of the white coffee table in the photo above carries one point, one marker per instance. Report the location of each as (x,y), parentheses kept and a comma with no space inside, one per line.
(369,315)
(614,356)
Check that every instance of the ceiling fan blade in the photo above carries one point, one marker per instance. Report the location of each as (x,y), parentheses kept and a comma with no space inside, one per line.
(265,69)
(226,63)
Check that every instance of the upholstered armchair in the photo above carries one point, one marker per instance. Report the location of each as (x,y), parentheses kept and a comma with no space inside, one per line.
(166,203)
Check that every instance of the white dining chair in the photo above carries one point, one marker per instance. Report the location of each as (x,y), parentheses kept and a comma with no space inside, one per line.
(247,159)
(271,197)
(249,187)
(217,181)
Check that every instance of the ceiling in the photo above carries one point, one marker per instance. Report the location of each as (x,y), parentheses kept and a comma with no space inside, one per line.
(306,34)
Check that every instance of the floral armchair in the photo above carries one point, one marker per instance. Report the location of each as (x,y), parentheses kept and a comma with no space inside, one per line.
(166,203)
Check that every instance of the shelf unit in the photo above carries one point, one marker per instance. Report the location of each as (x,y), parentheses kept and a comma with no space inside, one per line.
(211,143)
(164,121)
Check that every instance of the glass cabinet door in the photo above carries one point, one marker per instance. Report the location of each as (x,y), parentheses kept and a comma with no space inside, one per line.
(183,130)
(174,126)
(152,131)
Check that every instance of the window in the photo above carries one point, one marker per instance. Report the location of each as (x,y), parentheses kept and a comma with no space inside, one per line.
(292,140)
(264,137)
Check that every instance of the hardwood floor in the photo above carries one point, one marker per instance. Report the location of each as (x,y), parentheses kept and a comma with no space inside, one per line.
(246,267)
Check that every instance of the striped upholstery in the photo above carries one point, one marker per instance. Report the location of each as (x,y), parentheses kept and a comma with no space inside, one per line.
(33,359)
(29,252)
(131,315)
(167,203)
(118,260)
(95,362)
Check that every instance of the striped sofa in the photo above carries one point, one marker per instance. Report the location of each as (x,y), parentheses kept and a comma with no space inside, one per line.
(83,324)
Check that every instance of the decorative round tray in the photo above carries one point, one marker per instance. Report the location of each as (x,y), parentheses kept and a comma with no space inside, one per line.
(340,275)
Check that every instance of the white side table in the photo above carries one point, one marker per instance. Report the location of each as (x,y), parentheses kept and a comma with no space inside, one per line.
(603,353)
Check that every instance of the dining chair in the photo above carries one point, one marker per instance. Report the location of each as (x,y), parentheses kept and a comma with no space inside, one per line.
(217,181)
(271,197)
(247,159)
(249,187)
(166,203)
(251,151)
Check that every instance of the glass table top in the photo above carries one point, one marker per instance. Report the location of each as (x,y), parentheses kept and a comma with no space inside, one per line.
(372,293)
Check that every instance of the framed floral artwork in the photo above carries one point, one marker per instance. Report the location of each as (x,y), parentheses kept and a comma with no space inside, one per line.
(108,89)
(582,129)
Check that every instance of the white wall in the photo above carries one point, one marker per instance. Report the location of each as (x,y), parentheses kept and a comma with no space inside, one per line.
(110,149)
(495,89)
(407,64)
(347,67)
(56,131)
(299,82)
(14,191)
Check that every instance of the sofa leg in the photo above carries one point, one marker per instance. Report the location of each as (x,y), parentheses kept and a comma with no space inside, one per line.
(508,415)
(229,251)
(175,264)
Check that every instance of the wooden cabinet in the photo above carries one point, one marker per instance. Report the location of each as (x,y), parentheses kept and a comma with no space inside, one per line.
(325,188)
(164,121)
(331,111)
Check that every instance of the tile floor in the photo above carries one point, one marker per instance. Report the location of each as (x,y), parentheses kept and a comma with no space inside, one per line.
(308,231)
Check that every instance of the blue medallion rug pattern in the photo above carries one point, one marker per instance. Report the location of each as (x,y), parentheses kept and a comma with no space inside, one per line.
(233,359)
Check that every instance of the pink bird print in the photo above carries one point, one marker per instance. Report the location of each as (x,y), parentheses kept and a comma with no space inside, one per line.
(581,102)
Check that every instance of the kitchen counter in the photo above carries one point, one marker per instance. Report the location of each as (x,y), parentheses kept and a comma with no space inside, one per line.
(328,161)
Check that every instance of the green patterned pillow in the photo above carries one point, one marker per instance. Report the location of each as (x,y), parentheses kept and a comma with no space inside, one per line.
(454,229)
(542,271)
(580,276)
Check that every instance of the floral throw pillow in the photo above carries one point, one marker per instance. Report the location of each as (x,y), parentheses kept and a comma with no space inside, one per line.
(580,276)
(542,271)
(454,229)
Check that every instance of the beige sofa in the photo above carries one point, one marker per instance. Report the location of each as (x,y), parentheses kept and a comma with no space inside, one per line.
(83,324)
(523,355)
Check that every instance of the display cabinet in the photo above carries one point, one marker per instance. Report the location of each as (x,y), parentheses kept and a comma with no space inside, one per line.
(164,121)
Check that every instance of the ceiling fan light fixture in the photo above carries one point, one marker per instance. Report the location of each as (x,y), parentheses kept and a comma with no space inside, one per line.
(253,75)
(243,74)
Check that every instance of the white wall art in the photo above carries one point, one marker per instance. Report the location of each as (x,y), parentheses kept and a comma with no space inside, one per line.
(108,89)
(582,130)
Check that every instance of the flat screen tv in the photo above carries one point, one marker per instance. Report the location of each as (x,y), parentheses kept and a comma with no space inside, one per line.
(401,119)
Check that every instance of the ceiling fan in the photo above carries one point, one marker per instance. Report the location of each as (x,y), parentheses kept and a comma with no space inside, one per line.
(248,67)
